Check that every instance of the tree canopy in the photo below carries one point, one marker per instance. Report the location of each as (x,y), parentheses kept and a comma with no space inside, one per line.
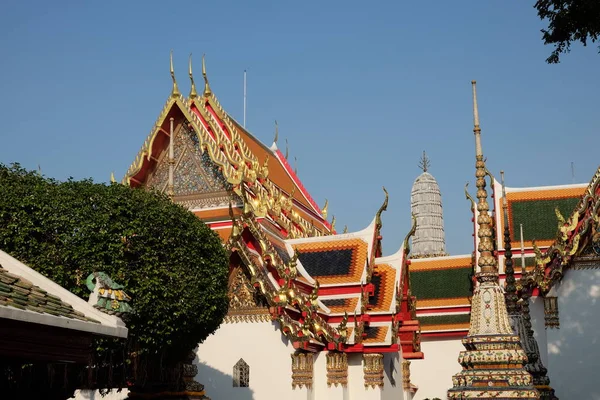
(172,265)
(568,21)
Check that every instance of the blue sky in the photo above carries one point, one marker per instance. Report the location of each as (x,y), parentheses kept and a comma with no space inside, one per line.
(359,90)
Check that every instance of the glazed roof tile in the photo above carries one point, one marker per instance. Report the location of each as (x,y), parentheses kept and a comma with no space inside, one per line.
(377,335)
(19,293)
(28,296)
(534,208)
(341,305)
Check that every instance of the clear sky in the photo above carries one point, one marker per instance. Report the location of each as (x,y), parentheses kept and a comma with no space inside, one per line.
(359,89)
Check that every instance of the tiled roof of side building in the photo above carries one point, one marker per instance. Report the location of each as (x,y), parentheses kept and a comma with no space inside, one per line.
(534,208)
(27,296)
(335,259)
(19,293)
(442,281)
(334,262)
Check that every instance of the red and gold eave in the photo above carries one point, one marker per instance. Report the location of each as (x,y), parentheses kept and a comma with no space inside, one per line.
(384,309)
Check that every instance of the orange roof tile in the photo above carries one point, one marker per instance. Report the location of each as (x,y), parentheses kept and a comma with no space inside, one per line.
(384,277)
(427,264)
(376,334)
(350,273)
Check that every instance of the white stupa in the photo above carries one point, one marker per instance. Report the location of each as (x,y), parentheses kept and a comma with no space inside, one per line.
(426,205)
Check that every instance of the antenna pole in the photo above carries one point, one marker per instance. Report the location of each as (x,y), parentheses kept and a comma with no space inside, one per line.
(522,251)
(244,98)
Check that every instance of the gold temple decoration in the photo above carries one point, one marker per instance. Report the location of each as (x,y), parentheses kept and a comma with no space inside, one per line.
(551,312)
(345,229)
(276,138)
(175,91)
(325,208)
(193,92)
(112,177)
(207,91)
(287,152)
(337,369)
(373,370)
(302,370)
(242,301)
(406,385)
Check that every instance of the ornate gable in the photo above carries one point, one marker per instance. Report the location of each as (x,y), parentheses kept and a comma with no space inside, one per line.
(195,175)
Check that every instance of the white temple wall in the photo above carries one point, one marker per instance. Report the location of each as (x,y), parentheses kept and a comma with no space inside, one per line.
(267,353)
(574,349)
(536,311)
(433,374)
(392,377)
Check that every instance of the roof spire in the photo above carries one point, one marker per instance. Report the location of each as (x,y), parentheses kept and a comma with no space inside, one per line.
(276,133)
(424,163)
(490,330)
(325,208)
(511,290)
(175,91)
(487,261)
(207,91)
(193,92)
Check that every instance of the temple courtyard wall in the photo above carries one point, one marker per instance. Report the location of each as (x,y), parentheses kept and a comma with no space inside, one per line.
(573,351)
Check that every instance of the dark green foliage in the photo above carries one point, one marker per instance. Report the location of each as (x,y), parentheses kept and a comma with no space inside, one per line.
(568,21)
(171,264)
(441,283)
(539,218)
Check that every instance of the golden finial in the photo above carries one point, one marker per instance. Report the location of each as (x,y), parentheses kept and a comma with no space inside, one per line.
(175,91)
(333,223)
(276,133)
(487,261)
(345,229)
(324,210)
(287,153)
(413,229)
(112,178)
(193,92)
(207,91)
(424,163)
(381,210)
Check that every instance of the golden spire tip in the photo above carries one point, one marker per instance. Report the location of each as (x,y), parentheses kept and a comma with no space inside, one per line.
(193,92)
(175,90)
(206,85)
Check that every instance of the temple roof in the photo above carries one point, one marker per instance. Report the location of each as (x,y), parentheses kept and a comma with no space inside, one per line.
(534,207)
(27,296)
(334,260)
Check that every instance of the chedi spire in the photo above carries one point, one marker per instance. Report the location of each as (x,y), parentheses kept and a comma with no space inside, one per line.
(426,205)
(493,362)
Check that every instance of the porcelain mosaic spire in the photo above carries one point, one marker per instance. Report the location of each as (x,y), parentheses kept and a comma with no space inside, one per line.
(426,206)
(493,362)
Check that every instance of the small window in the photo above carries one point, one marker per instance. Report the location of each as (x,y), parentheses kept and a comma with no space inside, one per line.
(241,374)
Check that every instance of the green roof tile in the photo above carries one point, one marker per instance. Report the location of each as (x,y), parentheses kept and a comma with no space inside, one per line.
(441,283)
(538,217)
(19,293)
(444,319)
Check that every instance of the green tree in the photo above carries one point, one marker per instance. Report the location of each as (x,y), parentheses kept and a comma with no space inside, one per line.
(172,265)
(568,21)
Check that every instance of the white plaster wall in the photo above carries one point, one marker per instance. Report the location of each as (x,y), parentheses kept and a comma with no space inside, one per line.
(392,377)
(574,349)
(95,395)
(536,311)
(433,374)
(263,348)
